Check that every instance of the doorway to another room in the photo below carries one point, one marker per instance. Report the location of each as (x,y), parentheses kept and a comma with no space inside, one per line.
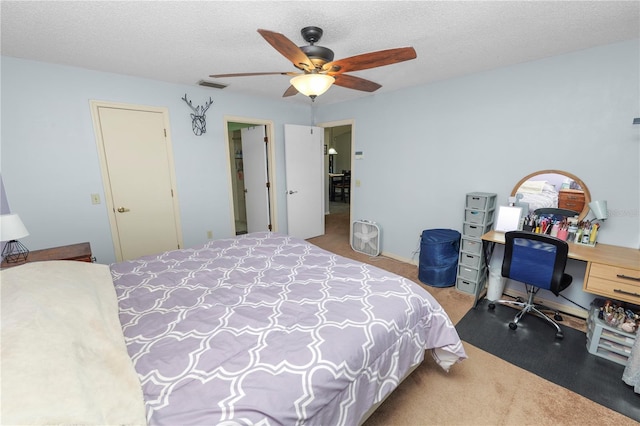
(250,157)
(338,140)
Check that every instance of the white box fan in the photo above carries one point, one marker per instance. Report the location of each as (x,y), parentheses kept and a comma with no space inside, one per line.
(366,237)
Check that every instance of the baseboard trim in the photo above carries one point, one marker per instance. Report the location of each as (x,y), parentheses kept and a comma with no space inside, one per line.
(399,258)
(565,309)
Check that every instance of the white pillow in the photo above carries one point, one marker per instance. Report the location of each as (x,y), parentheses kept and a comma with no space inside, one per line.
(64,360)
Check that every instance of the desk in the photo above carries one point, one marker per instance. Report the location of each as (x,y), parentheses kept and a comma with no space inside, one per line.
(333,178)
(612,271)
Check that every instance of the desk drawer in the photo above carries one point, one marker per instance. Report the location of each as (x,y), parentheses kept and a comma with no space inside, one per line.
(613,273)
(614,282)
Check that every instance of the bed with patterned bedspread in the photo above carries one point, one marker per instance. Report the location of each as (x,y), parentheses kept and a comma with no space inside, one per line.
(269,329)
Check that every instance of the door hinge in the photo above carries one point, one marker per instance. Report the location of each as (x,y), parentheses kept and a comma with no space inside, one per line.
(266,139)
(165,133)
(270,228)
(268,185)
(171,192)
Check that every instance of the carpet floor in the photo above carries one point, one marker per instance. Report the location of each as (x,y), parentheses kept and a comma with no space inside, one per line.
(533,347)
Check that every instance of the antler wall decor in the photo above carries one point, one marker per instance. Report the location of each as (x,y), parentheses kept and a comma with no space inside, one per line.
(198,123)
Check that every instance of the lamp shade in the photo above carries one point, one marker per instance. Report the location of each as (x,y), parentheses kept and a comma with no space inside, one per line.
(332,151)
(12,228)
(599,209)
(312,85)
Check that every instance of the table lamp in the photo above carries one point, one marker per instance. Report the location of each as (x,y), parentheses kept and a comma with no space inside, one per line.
(599,209)
(11,229)
(332,152)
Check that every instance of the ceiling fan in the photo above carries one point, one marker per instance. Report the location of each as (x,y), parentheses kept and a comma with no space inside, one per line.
(319,70)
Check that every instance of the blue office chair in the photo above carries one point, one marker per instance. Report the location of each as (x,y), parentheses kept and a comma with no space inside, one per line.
(538,261)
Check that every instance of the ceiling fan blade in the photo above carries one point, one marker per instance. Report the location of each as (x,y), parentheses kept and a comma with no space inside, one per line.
(291,91)
(370,60)
(357,83)
(248,74)
(288,49)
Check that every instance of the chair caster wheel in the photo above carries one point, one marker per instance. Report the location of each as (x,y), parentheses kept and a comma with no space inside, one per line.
(492,305)
(519,300)
(559,335)
(513,325)
(557,317)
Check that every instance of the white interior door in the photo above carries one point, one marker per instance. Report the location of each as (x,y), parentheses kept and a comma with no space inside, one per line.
(139,180)
(304,167)
(254,157)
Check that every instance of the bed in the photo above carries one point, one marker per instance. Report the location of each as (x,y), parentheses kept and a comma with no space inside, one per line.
(268,329)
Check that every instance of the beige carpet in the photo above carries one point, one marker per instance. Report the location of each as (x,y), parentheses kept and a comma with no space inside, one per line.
(482,390)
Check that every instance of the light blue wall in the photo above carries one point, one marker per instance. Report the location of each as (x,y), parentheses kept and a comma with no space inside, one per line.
(50,163)
(425,148)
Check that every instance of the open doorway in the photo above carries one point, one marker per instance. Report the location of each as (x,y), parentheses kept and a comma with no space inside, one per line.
(338,163)
(250,156)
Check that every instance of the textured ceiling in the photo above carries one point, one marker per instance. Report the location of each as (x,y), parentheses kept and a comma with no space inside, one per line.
(186,41)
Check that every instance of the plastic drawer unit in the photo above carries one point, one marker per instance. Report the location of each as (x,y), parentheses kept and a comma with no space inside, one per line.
(479,212)
(606,341)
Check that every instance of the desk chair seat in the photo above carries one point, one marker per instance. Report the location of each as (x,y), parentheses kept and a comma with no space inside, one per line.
(538,261)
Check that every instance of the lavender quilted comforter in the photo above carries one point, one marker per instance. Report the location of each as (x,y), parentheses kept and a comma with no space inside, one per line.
(268,329)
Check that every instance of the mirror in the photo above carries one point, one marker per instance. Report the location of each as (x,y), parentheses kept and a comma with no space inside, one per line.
(553,188)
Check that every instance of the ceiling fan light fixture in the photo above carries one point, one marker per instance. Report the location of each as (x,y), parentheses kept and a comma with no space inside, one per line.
(312,85)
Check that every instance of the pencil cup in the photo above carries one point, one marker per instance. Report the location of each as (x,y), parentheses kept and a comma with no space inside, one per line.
(563,234)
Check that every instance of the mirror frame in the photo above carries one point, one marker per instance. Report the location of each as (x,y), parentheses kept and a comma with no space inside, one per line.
(587,194)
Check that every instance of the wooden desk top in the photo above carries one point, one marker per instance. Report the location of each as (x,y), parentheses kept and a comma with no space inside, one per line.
(602,253)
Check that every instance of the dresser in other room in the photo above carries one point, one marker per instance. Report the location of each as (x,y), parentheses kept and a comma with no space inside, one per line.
(571,199)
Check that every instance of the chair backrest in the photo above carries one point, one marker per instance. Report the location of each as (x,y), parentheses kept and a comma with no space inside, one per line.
(535,259)
(346,179)
(555,213)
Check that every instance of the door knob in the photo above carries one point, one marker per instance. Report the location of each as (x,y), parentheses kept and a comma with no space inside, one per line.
(122,209)
(293,192)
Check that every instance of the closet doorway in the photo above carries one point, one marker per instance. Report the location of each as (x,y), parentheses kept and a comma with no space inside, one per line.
(136,161)
(250,154)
